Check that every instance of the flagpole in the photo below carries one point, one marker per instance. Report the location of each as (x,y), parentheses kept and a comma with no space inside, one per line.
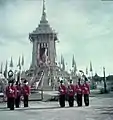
(5,71)
(105,90)
(1,69)
(19,69)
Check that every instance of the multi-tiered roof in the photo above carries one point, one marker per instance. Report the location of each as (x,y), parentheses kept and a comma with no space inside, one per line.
(43,27)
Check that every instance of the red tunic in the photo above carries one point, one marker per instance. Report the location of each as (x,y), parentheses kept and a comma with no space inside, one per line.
(71,90)
(19,90)
(62,89)
(11,92)
(78,89)
(26,90)
(86,88)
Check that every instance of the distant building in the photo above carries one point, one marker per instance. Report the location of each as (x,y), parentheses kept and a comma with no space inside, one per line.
(109,80)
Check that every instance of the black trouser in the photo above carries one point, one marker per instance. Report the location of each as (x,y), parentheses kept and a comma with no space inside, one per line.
(25,100)
(62,100)
(17,102)
(86,99)
(79,99)
(11,103)
(8,103)
(71,101)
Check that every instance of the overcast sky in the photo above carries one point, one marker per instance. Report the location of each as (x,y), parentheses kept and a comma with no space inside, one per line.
(85,29)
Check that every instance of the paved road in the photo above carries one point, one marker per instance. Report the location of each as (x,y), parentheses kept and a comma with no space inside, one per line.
(101,108)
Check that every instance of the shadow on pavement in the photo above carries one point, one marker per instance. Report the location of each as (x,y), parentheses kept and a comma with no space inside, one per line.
(106,110)
(108,113)
(41,108)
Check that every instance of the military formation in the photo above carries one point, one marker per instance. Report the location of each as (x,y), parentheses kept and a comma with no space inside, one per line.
(74,91)
(15,92)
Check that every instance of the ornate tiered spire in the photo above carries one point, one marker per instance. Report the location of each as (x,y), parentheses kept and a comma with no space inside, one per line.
(43,19)
(43,27)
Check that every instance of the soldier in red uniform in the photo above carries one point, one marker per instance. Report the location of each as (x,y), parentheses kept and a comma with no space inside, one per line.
(71,93)
(6,93)
(19,93)
(62,94)
(10,75)
(86,92)
(11,94)
(26,93)
(78,88)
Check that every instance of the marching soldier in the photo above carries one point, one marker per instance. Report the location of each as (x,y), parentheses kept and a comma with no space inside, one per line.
(62,94)
(26,93)
(10,75)
(19,93)
(11,93)
(86,92)
(79,93)
(71,93)
(7,94)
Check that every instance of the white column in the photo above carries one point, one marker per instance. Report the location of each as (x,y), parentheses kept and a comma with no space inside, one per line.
(49,47)
(38,51)
(52,50)
(35,53)
(33,56)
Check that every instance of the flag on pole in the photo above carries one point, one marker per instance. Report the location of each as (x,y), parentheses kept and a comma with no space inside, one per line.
(91,67)
(63,64)
(22,63)
(75,68)
(1,68)
(104,71)
(73,61)
(86,71)
(74,64)
(61,60)
(5,71)
(11,62)
(19,65)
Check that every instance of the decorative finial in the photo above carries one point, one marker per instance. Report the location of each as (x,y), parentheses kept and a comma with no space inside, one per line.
(43,7)
(43,12)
